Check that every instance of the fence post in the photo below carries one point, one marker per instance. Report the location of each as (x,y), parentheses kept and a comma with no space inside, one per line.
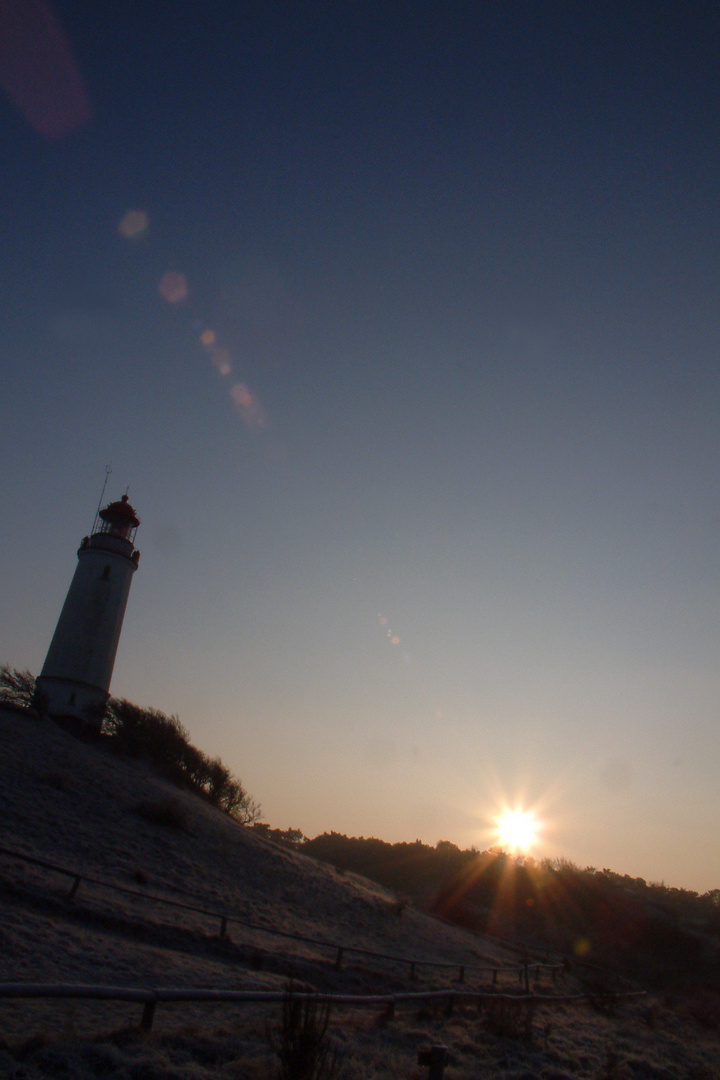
(338,958)
(436,1057)
(527,978)
(461,976)
(412,969)
(74,888)
(148,1014)
(494,976)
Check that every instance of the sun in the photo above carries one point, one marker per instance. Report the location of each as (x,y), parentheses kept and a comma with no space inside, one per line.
(517,831)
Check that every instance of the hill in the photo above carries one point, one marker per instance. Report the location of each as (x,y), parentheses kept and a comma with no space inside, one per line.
(664,937)
(77,805)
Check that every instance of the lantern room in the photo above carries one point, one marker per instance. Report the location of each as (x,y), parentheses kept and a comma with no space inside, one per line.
(118,519)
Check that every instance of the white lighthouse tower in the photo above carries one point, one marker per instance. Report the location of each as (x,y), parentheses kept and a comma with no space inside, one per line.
(74,683)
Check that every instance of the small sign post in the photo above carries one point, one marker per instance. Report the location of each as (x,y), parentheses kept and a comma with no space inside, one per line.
(436,1058)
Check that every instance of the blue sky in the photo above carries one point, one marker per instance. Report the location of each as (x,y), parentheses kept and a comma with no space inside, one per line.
(441,367)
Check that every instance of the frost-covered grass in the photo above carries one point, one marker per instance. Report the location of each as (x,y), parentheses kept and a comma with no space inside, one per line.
(77,805)
(564,1044)
(92,823)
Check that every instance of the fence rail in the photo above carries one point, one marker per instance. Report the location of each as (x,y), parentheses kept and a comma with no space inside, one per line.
(150,997)
(523,971)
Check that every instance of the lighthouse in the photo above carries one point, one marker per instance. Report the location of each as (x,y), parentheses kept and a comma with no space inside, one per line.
(74,684)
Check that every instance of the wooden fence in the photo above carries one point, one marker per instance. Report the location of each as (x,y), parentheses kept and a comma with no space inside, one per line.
(151,997)
(522,972)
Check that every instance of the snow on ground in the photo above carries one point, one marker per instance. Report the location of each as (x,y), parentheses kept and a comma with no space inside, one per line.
(77,805)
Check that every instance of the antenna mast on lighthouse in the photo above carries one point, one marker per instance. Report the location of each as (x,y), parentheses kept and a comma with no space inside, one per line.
(108,471)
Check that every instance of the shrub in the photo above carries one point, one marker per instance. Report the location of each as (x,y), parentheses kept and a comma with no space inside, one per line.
(301,1041)
(164,743)
(291,838)
(147,733)
(16,687)
(160,740)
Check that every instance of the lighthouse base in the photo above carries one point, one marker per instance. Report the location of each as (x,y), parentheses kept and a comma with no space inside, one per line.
(73,704)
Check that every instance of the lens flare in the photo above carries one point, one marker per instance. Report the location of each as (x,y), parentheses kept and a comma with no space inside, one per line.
(38,70)
(133,224)
(173,287)
(221,360)
(251,411)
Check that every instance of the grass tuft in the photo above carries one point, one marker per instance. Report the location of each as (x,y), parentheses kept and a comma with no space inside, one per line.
(301,1042)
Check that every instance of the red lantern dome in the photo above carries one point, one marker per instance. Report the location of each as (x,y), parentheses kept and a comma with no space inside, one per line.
(119,518)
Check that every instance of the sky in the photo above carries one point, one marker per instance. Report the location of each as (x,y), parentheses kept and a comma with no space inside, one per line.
(399,321)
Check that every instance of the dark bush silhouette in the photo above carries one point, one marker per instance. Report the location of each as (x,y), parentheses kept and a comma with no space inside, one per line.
(292,838)
(16,687)
(163,743)
(159,740)
(301,1042)
(647,931)
(413,869)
